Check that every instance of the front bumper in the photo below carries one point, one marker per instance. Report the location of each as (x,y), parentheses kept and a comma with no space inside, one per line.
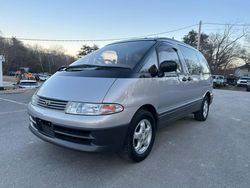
(94,140)
(86,133)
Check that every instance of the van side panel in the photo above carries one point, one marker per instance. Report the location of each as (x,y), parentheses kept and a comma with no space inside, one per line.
(134,92)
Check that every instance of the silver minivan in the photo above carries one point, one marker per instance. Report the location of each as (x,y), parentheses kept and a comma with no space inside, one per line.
(115,98)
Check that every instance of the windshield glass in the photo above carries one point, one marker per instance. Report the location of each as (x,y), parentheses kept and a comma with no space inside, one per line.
(125,54)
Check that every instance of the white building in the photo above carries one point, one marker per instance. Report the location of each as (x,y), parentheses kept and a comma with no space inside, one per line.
(243,70)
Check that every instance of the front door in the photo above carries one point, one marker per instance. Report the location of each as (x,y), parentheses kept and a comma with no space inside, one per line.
(172,85)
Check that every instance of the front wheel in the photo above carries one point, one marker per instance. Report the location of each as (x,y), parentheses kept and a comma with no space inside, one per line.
(202,114)
(141,135)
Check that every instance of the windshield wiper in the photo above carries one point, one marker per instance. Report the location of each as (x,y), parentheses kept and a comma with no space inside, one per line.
(78,67)
(112,67)
(61,68)
(98,67)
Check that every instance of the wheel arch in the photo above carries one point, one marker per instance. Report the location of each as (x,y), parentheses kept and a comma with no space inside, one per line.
(152,110)
(208,94)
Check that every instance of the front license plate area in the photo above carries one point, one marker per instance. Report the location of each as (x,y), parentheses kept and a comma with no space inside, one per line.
(46,127)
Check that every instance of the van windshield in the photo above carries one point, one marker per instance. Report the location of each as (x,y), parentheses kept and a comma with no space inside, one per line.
(124,54)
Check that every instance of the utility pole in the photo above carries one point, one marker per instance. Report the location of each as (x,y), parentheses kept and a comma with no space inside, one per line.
(1,70)
(199,36)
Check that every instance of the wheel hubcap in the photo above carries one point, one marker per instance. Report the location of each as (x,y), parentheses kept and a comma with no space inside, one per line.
(142,136)
(205,109)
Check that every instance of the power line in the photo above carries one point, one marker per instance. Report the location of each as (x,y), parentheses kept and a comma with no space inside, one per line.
(124,38)
(102,40)
(224,24)
(182,28)
(66,40)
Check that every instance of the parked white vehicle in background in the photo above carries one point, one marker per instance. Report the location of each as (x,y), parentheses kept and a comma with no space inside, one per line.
(43,77)
(28,84)
(219,80)
(243,81)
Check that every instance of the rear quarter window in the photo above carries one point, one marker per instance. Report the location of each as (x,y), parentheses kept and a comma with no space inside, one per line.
(204,65)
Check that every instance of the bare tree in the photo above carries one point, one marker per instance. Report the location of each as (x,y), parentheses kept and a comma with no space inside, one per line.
(35,57)
(224,48)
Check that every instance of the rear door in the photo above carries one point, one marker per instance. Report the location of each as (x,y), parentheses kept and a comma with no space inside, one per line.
(194,77)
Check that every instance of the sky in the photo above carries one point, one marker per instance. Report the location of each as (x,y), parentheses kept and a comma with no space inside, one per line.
(96,19)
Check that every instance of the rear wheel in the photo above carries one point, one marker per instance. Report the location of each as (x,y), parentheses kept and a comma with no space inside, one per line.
(202,114)
(141,135)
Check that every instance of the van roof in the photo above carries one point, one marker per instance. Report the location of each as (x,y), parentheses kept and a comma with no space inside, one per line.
(157,39)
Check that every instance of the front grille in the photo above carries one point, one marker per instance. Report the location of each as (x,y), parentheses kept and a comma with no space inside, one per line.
(51,103)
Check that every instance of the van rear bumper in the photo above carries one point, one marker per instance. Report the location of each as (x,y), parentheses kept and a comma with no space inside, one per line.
(94,140)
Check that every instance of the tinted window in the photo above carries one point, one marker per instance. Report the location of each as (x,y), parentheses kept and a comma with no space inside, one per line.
(125,54)
(169,54)
(28,83)
(204,64)
(245,78)
(150,61)
(191,60)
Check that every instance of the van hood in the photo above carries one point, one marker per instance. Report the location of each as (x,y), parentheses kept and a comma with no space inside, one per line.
(76,88)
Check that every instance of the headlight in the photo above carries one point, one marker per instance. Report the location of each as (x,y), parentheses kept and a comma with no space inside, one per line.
(92,108)
(34,99)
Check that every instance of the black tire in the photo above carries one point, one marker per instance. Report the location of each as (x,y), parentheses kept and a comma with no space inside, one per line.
(129,150)
(201,115)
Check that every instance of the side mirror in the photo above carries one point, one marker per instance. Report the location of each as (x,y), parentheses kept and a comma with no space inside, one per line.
(168,66)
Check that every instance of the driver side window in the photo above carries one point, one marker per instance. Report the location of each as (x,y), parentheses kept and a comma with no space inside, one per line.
(166,53)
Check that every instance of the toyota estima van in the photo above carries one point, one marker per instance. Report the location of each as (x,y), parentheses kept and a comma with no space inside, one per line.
(115,98)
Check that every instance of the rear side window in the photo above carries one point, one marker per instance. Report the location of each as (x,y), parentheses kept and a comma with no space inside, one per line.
(192,60)
(204,64)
